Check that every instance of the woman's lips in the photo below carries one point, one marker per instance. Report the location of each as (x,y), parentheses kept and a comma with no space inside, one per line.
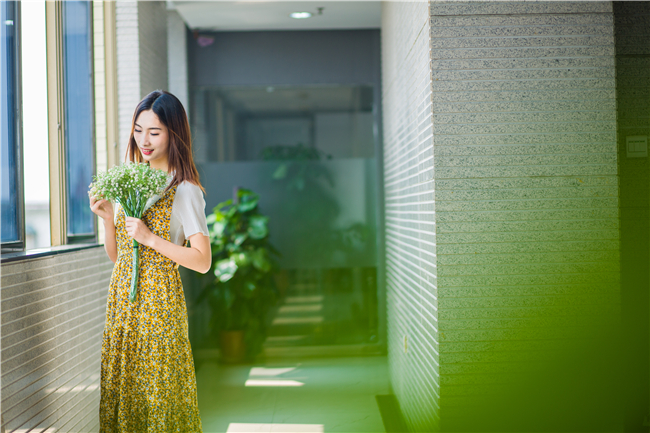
(147,151)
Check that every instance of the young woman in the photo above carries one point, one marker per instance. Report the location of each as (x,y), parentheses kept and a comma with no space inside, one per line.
(147,370)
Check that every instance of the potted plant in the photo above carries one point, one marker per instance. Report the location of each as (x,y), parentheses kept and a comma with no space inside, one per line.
(243,264)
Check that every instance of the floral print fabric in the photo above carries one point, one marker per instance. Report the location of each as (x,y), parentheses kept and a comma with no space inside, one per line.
(147,370)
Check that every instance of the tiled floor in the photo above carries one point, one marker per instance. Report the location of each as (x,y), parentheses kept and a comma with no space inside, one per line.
(312,395)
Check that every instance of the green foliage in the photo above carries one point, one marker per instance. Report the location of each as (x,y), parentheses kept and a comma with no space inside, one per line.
(243,264)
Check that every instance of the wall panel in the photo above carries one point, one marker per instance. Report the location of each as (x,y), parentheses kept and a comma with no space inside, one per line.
(53,312)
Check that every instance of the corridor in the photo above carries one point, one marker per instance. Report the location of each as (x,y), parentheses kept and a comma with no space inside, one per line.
(311,395)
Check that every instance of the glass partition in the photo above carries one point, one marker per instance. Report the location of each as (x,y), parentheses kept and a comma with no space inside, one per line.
(309,154)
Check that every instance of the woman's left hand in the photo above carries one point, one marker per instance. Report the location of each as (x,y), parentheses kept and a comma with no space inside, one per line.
(139,231)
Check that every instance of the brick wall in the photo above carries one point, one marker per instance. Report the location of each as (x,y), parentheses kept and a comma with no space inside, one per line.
(53,312)
(409,212)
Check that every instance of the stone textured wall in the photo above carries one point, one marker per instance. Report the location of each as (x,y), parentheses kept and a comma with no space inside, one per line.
(410,213)
(502,227)
(128,69)
(53,312)
(152,28)
(141,58)
(526,199)
(177,64)
(632,24)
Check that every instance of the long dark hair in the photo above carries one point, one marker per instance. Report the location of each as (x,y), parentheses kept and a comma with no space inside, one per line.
(171,113)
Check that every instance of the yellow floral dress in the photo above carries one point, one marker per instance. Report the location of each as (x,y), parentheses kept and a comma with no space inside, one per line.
(147,370)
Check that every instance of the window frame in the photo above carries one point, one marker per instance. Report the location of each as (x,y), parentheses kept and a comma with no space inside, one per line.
(74,238)
(17,245)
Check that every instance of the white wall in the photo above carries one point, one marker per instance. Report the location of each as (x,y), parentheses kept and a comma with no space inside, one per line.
(411,274)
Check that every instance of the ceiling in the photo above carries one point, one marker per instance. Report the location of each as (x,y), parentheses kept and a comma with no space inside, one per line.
(251,15)
(306,99)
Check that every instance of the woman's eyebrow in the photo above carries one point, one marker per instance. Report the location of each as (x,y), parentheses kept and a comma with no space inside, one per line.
(149,128)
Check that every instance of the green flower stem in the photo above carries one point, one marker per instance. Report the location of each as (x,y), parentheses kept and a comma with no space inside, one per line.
(133,294)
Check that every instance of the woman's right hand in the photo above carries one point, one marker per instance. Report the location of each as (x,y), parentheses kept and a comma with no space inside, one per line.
(102,208)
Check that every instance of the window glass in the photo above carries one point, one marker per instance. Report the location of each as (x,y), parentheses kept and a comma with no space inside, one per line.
(36,180)
(79,117)
(8,98)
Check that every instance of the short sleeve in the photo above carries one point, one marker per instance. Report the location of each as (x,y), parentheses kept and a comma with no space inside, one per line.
(190,206)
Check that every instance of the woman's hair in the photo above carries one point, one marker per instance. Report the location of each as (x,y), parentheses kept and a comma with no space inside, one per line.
(171,113)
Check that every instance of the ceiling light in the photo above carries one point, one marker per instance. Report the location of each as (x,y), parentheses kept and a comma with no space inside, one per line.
(300,15)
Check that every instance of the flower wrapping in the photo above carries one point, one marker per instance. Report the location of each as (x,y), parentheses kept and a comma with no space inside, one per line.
(131,185)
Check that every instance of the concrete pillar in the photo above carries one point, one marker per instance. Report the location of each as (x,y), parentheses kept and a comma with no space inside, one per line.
(177,57)
(502,214)
(141,58)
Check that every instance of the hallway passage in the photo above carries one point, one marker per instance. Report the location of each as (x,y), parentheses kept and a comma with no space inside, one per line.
(309,395)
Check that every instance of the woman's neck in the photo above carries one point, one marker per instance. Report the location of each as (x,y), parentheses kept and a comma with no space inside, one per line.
(160,165)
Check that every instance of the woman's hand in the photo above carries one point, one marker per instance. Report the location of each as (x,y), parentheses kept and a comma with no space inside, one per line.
(139,231)
(102,208)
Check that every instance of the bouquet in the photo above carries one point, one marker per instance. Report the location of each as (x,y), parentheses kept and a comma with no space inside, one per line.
(130,185)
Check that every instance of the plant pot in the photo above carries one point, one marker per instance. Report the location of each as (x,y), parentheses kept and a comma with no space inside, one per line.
(232,346)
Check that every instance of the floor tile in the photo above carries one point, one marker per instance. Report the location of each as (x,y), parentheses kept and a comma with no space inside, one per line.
(334,395)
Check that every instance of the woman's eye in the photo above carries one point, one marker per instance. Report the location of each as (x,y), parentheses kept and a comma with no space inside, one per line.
(135,130)
(154,134)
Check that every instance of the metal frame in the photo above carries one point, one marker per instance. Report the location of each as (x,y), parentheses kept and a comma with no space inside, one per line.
(55,121)
(18,245)
(73,238)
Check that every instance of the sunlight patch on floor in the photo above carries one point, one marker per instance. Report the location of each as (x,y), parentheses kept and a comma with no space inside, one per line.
(275,428)
(272,382)
(265,371)
(297,320)
(299,299)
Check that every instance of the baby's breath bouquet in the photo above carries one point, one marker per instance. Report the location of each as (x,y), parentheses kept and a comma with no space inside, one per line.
(130,185)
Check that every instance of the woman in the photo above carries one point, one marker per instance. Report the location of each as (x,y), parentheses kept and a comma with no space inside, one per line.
(147,371)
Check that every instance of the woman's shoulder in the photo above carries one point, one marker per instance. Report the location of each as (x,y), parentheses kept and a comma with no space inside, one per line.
(187,187)
(189,194)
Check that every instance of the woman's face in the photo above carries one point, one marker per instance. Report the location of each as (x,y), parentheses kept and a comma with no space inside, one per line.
(152,139)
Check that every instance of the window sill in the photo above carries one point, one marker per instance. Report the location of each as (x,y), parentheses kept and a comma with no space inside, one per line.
(44,252)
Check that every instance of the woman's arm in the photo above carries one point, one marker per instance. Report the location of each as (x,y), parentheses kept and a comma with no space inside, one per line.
(104,209)
(197,258)
(110,243)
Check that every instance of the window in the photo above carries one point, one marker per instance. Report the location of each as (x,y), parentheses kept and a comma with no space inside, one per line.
(48,116)
(12,233)
(79,117)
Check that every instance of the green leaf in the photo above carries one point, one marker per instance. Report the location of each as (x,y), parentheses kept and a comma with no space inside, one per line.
(211,219)
(228,297)
(242,259)
(249,289)
(239,238)
(247,200)
(260,260)
(221,205)
(281,171)
(225,270)
(257,226)
(218,228)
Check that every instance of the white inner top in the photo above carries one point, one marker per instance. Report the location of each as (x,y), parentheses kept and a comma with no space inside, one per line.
(188,213)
